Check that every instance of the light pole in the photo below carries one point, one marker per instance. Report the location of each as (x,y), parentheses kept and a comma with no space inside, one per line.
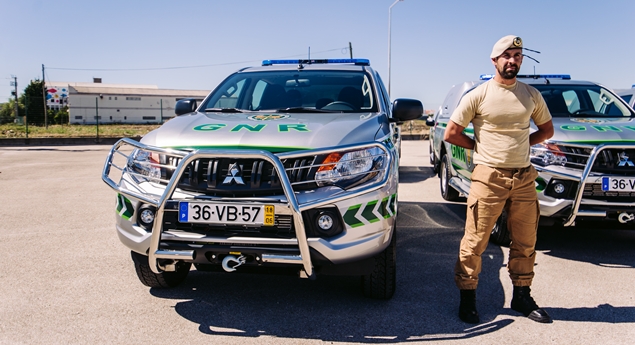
(390,16)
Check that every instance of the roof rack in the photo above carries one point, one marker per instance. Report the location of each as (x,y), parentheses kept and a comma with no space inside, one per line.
(532,76)
(359,62)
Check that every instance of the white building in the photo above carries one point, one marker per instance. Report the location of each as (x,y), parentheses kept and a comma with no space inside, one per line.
(118,103)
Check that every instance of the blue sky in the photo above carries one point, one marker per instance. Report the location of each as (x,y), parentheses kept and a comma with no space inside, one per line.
(435,44)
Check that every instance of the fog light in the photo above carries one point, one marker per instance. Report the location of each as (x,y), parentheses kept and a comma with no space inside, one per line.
(146,217)
(325,222)
(558,188)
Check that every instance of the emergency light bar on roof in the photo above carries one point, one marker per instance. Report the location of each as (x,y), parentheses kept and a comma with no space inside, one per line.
(361,62)
(531,76)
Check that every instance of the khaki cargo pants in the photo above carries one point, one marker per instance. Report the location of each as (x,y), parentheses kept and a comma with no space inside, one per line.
(492,190)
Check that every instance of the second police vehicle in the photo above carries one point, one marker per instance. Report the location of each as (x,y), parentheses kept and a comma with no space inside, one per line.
(292,164)
(586,170)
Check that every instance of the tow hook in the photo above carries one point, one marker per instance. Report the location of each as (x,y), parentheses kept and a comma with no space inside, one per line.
(625,217)
(230,262)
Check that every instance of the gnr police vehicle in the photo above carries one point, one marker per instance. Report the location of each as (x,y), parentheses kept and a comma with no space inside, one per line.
(293,164)
(586,170)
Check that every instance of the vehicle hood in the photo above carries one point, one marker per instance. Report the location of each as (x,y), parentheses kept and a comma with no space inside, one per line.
(278,132)
(593,130)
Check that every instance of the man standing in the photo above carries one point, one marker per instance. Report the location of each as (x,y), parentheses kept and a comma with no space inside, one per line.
(503,178)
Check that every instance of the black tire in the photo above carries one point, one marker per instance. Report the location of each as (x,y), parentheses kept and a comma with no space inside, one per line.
(500,233)
(433,160)
(447,192)
(381,283)
(163,279)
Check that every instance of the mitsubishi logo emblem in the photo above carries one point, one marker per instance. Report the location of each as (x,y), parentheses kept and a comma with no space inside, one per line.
(234,175)
(624,161)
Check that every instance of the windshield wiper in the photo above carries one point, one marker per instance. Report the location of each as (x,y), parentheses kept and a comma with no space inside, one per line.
(302,110)
(223,110)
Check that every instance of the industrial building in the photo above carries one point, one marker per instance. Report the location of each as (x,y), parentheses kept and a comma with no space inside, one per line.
(116,103)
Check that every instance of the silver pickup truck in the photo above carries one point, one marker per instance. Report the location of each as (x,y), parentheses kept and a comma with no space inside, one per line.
(292,164)
(586,170)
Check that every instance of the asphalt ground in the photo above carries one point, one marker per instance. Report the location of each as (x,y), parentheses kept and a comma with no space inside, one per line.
(66,278)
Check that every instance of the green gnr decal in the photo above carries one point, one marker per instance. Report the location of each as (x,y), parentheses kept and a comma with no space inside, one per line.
(599,128)
(458,152)
(256,128)
(299,127)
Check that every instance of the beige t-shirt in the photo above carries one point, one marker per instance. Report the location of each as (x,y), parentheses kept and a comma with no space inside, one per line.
(500,115)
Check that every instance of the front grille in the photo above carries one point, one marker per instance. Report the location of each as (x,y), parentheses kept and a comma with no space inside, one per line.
(282,228)
(228,177)
(608,161)
(594,191)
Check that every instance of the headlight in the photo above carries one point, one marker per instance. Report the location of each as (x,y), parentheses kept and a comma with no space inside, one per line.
(144,163)
(347,169)
(547,154)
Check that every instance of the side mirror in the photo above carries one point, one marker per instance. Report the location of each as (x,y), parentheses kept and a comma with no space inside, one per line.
(430,121)
(185,106)
(404,109)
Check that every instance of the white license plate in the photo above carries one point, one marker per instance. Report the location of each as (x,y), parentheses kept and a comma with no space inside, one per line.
(618,184)
(226,213)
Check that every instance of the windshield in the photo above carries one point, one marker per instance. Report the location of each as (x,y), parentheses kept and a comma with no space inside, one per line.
(327,91)
(582,101)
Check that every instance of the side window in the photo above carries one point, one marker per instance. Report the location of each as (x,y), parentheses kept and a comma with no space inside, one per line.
(627,98)
(229,97)
(382,92)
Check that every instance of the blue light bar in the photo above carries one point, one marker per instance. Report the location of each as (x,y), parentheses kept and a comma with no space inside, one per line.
(360,62)
(532,76)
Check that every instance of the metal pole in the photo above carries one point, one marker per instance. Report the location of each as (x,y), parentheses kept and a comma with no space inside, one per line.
(350,49)
(161,110)
(46,113)
(16,105)
(26,114)
(97,115)
(389,18)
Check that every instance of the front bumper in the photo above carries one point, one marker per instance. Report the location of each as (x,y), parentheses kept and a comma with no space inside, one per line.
(576,204)
(372,207)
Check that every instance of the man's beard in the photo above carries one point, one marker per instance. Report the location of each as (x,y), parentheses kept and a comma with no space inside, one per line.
(509,74)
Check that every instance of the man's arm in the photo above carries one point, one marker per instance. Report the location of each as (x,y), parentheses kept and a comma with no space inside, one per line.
(454,135)
(544,132)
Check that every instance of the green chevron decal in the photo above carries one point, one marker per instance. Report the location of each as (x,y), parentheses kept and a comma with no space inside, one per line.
(370,211)
(124,207)
(349,216)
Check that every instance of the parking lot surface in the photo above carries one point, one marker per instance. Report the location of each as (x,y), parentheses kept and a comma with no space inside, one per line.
(66,278)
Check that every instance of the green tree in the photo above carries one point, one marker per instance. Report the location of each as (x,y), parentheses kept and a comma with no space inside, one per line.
(61,116)
(34,102)
(7,111)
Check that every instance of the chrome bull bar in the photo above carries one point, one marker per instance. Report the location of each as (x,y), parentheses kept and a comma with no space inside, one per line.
(156,253)
(586,172)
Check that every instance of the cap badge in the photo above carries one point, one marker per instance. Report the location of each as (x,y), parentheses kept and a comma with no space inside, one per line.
(517,42)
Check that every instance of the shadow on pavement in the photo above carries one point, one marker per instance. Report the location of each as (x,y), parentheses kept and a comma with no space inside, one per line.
(607,244)
(331,308)
(413,174)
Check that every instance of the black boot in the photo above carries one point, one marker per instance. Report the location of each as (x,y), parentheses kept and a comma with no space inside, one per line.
(523,302)
(467,308)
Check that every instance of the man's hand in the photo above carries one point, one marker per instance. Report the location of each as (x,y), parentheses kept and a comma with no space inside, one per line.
(454,135)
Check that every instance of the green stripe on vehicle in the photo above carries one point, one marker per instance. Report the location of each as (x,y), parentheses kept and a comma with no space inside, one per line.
(273,149)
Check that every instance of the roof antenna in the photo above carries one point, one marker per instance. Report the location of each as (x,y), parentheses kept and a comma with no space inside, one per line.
(309,52)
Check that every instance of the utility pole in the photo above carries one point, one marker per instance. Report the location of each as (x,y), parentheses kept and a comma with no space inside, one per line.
(350,49)
(15,93)
(46,122)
